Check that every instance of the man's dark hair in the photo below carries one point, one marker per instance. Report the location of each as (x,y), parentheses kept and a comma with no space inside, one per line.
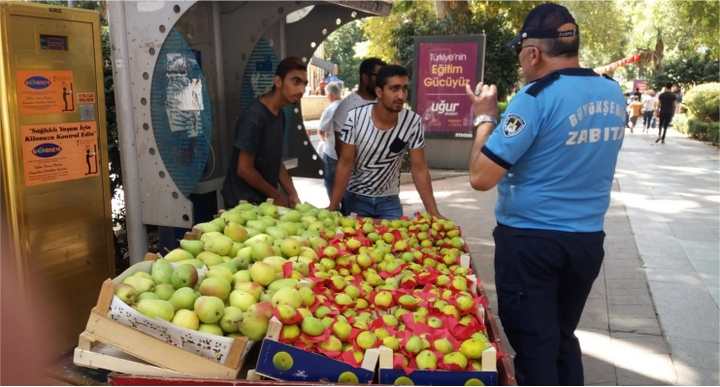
(368,65)
(289,64)
(388,72)
(568,47)
(669,85)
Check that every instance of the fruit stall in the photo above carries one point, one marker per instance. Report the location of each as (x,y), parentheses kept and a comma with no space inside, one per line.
(299,295)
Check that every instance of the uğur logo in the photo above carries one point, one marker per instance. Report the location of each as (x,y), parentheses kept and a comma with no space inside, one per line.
(47,150)
(37,82)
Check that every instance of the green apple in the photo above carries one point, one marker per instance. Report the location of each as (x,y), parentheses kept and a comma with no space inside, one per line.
(230,319)
(212,329)
(183,298)
(426,360)
(156,309)
(215,286)
(209,309)
(186,319)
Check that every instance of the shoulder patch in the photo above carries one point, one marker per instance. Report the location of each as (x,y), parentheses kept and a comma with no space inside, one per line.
(513,125)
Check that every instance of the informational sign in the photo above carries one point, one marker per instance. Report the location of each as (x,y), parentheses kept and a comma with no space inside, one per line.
(443,66)
(640,85)
(59,152)
(45,91)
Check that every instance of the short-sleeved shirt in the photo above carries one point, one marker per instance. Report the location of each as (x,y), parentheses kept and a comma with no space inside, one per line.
(648,103)
(667,102)
(559,139)
(327,128)
(352,101)
(260,132)
(376,171)
(635,108)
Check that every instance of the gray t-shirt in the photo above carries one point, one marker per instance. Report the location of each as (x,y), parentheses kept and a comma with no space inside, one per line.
(260,132)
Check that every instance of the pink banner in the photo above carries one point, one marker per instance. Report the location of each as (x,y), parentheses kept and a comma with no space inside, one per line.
(443,70)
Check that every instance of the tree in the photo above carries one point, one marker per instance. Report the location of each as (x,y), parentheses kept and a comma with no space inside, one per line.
(340,49)
(602,26)
(687,72)
(392,37)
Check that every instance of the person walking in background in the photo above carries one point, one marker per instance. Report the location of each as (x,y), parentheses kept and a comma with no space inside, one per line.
(634,110)
(648,107)
(678,97)
(666,101)
(333,90)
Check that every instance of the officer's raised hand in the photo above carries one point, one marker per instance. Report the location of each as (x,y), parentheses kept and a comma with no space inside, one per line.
(484,99)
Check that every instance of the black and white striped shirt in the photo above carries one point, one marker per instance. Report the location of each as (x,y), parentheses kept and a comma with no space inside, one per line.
(379,152)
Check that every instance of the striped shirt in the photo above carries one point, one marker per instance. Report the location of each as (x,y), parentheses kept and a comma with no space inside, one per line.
(379,152)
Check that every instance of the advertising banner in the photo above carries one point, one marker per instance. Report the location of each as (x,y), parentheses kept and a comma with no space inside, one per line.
(59,152)
(443,66)
(45,92)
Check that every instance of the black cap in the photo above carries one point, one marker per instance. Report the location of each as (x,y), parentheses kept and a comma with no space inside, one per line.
(543,22)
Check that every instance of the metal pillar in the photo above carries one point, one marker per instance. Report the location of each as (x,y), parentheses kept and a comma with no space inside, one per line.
(137,235)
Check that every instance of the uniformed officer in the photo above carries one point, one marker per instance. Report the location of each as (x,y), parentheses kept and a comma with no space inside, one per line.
(553,157)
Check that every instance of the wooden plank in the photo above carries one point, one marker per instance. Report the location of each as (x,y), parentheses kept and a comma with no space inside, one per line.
(154,351)
(107,291)
(235,358)
(85,341)
(97,360)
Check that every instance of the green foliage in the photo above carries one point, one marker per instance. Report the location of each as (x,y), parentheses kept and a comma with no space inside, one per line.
(687,71)
(392,38)
(601,31)
(703,101)
(705,131)
(340,49)
(703,118)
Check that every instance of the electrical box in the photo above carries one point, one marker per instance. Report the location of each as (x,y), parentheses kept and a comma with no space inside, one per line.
(54,155)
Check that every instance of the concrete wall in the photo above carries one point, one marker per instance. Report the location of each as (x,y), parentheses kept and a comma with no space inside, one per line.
(313,106)
(448,153)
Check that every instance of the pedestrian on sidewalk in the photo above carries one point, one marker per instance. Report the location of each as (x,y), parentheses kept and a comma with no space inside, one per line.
(333,90)
(373,141)
(648,107)
(666,111)
(634,111)
(553,158)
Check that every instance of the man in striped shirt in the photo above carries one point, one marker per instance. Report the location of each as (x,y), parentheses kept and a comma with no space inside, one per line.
(372,144)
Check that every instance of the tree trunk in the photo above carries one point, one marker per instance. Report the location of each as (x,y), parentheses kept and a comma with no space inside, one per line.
(455,8)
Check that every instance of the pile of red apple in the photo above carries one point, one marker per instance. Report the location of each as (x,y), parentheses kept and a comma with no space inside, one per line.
(396,283)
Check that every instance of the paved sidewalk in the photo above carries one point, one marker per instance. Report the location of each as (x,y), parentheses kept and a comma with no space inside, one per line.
(652,316)
(672,196)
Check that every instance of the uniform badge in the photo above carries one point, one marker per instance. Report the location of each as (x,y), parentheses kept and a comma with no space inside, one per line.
(513,126)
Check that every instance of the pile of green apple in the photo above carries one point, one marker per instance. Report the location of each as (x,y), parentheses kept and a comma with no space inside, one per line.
(340,285)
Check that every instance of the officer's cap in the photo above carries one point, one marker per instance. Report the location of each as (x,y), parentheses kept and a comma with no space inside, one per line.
(543,22)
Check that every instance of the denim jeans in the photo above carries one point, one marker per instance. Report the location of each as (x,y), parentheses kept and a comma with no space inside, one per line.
(380,207)
(329,165)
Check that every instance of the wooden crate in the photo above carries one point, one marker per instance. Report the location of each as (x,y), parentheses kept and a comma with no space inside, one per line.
(143,354)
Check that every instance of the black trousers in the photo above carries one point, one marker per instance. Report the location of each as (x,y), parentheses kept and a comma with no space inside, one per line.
(647,118)
(665,120)
(543,279)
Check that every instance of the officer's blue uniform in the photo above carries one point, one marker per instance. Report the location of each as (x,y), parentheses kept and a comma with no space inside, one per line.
(559,139)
